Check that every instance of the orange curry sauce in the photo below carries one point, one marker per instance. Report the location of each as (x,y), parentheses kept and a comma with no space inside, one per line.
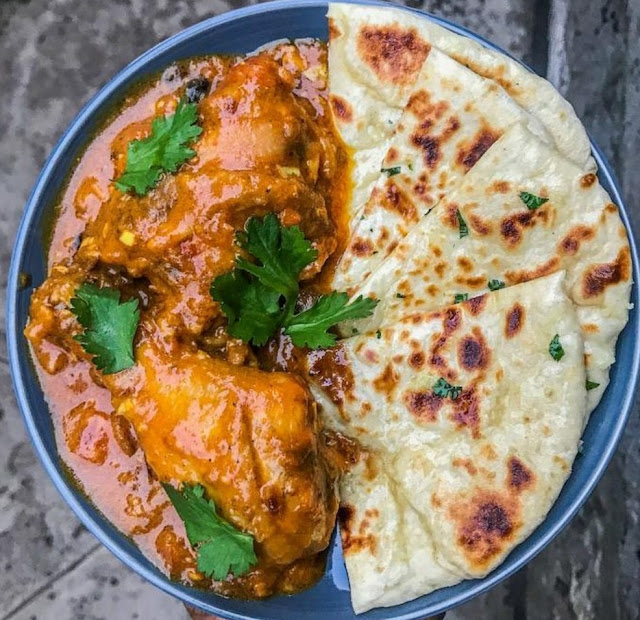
(98,447)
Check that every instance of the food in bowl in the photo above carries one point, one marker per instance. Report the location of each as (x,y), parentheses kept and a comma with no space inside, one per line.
(278,283)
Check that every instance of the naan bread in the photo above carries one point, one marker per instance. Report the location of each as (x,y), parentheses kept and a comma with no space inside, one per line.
(448,487)
(578,230)
(451,119)
(374,57)
(372,70)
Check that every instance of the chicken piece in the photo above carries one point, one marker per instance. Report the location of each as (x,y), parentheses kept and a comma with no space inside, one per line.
(249,437)
(259,152)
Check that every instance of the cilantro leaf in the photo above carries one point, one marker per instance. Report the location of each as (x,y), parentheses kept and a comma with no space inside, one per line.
(495,285)
(462,225)
(164,150)
(109,326)
(460,297)
(444,389)
(259,297)
(532,201)
(592,385)
(253,310)
(310,327)
(221,548)
(390,172)
(282,252)
(555,348)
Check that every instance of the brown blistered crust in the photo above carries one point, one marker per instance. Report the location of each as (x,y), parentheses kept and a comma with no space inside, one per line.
(512,226)
(341,108)
(524,275)
(362,247)
(473,351)
(469,155)
(570,244)
(387,381)
(355,541)
(423,405)
(514,321)
(394,200)
(520,477)
(485,525)
(394,54)
(465,412)
(599,277)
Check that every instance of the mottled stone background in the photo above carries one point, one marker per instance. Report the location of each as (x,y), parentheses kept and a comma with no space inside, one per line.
(55,54)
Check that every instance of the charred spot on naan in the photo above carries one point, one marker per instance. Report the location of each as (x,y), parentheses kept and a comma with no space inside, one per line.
(356,537)
(394,54)
(485,525)
(341,108)
(476,305)
(362,247)
(417,360)
(473,351)
(467,464)
(519,477)
(491,72)
(588,180)
(499,187)
(394,199)
(431,143)
(514,320)
(470,153)
(570,244)
(387,381)
(334,31)
(423,405)
(524,275)
(512,226)
(478,225)
(599,277)
(465,411)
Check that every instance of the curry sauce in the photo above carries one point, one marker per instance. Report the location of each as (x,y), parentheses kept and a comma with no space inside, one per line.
(198,407)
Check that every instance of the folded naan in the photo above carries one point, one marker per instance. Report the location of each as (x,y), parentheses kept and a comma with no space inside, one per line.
(375,55)
(577,229)
(451,119)
(470,419)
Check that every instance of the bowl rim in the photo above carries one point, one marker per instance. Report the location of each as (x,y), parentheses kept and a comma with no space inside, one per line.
(14,329)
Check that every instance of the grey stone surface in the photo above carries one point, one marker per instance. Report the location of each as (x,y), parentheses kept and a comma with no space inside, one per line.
(55,54)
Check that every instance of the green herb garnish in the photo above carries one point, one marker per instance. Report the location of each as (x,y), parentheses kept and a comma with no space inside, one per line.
(462,225)
(555,348)
(592,385)
(164,150)
(259,295)
(109,326)
(460,297)
(495,285)
(390,172)
(220,547)
(532,201)
(444,389)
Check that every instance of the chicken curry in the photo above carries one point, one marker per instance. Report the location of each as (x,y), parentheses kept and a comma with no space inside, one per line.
(185,418)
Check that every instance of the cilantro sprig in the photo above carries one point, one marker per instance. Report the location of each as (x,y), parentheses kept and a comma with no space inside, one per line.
(462,225)
(444,389)
(259,295)
(164,150)
(221,548)
(109,326)
(556,350)
(532,201)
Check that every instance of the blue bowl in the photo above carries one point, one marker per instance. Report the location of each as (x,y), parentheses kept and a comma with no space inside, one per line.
(243,31)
